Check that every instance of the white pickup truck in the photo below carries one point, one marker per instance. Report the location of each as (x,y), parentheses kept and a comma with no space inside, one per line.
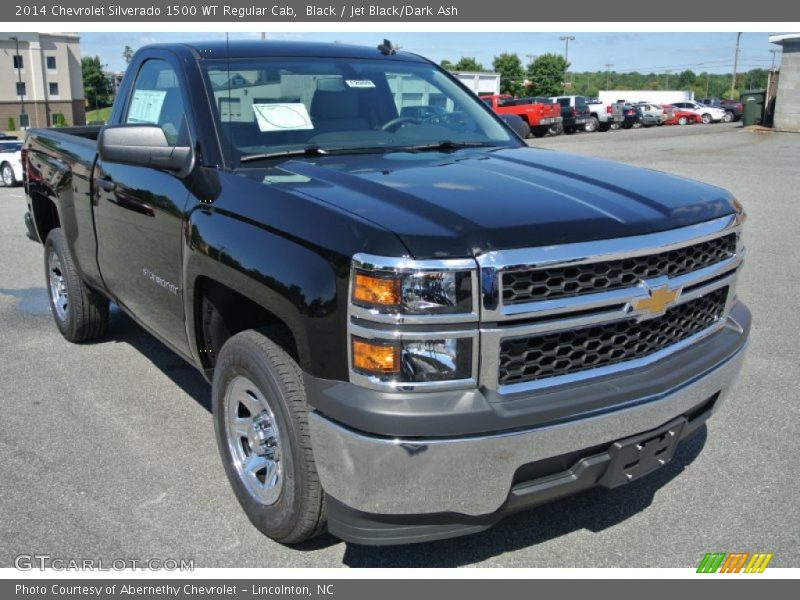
(607,114)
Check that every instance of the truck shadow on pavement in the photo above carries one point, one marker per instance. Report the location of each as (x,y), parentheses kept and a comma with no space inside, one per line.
(594,510)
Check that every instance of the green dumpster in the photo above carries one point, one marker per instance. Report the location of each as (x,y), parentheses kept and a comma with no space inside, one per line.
(753,101)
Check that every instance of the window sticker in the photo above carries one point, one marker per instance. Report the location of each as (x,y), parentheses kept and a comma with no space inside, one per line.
(146,106)
(359,83)
(282,117)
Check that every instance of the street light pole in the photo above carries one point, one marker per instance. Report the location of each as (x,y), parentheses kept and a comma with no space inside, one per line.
(735,64)
(566,39)
(608,74)
(22,116)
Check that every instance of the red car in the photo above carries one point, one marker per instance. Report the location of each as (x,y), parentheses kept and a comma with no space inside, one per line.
(680,117)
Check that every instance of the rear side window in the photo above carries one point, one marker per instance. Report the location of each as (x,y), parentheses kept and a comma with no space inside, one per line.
(580,101)
(157,100)
(563,101)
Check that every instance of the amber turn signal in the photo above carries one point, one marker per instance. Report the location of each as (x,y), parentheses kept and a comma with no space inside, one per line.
(376,290)
(376,358)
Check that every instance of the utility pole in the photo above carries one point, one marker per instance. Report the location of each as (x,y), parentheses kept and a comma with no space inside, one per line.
(608,74)
(566,39)
(774,52)
(23,118)
(735,64)
(668,74)
(708,82)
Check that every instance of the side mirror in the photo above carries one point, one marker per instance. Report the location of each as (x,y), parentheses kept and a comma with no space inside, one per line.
(144,146)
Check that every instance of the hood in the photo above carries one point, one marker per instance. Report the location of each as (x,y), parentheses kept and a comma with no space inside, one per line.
(468,202)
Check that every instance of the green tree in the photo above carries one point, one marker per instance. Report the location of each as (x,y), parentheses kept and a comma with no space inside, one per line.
(59,120)
(468,63)
(511,73)
(127,54)
(95,85)
(446,64)
(546,74)
(10,125)
(687,80)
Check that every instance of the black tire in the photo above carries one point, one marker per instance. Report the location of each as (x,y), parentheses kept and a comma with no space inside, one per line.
(728,118)
(570,130)
(556,129)
(603,127)
(592,125)
(526,131)
(80,313)
(540,132)
(298,511)
(7,175)
(683,121)
(706,119)
(616,125)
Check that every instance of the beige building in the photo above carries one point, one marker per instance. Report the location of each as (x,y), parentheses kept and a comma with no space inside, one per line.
(41,71)
(787,100)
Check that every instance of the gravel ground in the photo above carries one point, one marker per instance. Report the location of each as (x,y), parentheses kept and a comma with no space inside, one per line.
(107,450)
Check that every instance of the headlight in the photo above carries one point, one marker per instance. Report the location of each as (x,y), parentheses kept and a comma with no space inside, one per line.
(413,361)
(407,287)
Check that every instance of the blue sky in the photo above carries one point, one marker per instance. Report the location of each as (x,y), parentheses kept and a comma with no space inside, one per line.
(657,52)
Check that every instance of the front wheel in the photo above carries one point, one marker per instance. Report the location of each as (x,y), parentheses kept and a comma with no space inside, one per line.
(80,313)
(728,117)
(261,426)
(683,121)
(705,118)
(7,173)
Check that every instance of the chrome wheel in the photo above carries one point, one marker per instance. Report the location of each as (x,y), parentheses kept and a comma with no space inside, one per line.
(58,287)
(8,176)
(254,440)
(728,117)
(706,119)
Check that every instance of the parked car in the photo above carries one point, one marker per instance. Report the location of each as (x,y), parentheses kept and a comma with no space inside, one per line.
(539,116)
(424,111)
(708,114)
(6,136)
(632,117)
(412,329)
(653,114)
(607,114)
(680,116)
(575,114)
(734,108)
(11,162)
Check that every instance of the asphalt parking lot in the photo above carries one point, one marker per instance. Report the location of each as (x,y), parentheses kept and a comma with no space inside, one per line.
(107,449)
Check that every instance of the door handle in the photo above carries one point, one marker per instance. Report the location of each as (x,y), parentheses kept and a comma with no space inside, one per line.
(106,184)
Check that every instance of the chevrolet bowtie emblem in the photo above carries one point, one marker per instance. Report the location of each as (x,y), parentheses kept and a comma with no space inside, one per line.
(656,302)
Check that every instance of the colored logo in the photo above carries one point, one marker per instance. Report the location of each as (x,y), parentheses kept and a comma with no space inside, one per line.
(734,562)
(658,299)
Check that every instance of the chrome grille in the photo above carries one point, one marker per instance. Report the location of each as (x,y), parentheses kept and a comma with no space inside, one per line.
(531,285)
(541,356)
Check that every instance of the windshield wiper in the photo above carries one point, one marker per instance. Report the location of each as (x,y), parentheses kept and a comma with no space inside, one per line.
(449,145)
(310,150)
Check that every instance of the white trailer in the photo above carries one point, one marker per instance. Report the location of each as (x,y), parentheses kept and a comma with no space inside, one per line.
(480,83)
(654,96)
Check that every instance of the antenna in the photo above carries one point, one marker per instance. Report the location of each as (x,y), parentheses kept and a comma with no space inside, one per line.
(387,48)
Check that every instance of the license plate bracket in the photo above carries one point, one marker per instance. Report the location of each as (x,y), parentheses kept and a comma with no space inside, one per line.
(640,455)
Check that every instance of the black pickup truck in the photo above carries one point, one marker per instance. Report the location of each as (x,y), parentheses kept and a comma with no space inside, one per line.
(413,325)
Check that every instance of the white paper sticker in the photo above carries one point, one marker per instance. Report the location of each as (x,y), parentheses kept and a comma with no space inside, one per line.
(146,106)
(359,83)
(282,117)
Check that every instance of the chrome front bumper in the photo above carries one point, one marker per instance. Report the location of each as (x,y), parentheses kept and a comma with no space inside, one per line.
(473,475)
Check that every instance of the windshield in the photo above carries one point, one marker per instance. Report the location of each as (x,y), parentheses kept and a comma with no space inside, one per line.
(275,106)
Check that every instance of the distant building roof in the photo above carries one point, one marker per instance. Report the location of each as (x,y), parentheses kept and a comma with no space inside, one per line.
(784,37)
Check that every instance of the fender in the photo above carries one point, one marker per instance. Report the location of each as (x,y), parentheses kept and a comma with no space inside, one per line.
(293,282)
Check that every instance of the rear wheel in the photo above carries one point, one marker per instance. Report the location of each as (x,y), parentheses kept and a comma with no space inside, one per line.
(80,313)
(682,121)
(570,130)
(7,173)
(705,118)
(556,129)
(591,125)
(261,425)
